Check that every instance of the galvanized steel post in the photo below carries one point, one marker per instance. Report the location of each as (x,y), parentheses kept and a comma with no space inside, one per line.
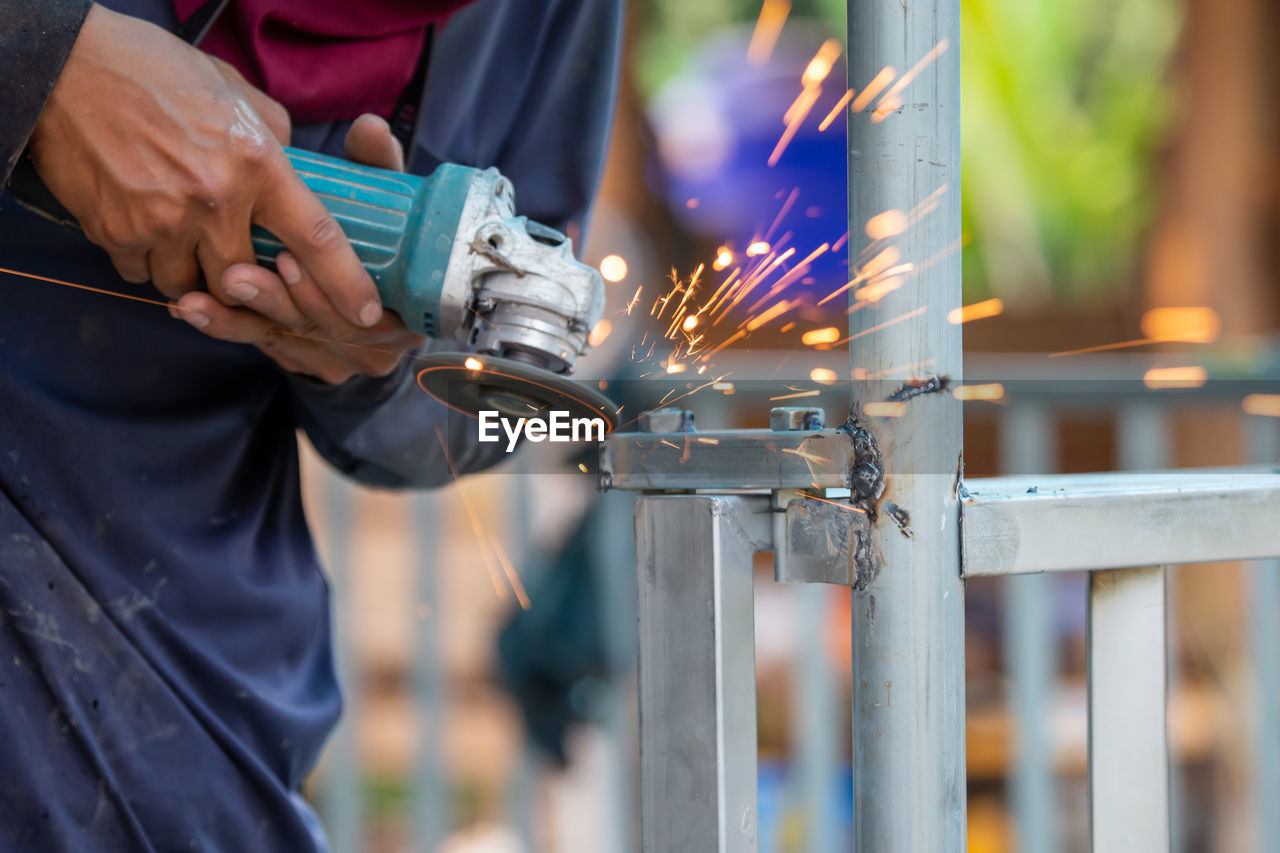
(908,620)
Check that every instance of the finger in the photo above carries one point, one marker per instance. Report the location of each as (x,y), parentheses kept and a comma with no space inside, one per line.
(292,212)
(173,269)
(221,247)
(370,141)
(262,290)
(131,265)
(242,326)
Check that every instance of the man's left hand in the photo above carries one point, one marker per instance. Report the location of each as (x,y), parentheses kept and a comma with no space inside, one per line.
(289,318)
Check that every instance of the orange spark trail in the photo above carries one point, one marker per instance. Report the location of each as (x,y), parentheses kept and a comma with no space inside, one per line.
(475,521)
(799,112)
(875,87)
(799,270)
(773,15)
(1141,342)
(886,324)
(786,206)
(892,98)
(512,578)
(835,111)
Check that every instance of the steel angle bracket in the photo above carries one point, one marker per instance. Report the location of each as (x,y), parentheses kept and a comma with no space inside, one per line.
(727,460)
(823,540)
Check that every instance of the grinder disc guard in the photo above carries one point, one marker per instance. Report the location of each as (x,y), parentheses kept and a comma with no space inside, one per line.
(474,383)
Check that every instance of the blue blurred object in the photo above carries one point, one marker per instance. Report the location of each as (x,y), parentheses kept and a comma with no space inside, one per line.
(717,123)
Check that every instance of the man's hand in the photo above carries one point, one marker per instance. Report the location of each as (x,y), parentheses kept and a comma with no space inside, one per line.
(167,156)
(289,317)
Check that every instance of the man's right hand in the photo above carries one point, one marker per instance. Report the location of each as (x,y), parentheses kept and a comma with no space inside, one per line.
(166,156)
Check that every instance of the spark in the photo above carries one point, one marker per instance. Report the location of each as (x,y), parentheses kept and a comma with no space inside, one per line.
(676,367)
(600,333)
(759,247)
(823,375)
(1197,325)
(798,112)
(882,226)
(849,507)
(692,203)
(690,323)
(773,14)
(1175,377)
(813,392)
(835,111)
(782,213)
(886,324)
(770,313)
(788,327)
(724,257)
(1140,342)
(1265,405)
(885,410)
(990,391)
(634,300)
(724,387)
(820,66)
(704,440)
(795,273)
(669,444)
(874,88)
(476,527)
(512,578)
(828,335)
(892,99)
(613,268)
(473,363)
(839,244)
(976,311)
(807,456)
(878,265)
(582,466)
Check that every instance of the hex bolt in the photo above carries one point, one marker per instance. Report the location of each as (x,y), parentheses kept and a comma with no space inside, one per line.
(666,420)
(788,418)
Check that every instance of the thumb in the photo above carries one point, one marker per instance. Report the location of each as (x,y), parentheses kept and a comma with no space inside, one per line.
(370,141)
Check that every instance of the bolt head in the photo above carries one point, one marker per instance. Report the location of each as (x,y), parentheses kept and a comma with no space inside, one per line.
(666,420)
(787,418)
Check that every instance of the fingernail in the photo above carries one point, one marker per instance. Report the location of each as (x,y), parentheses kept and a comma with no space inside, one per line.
(288,269)
(196,318)
(242,291)
(371,312)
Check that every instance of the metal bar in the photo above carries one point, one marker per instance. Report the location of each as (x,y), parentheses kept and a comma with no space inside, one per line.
(1262,439)
(815,727)
(341,798)
(697,670)
(1128,761)
(728,459)
(1144,443)
(613,553)
(430,789)
(908,619)
(1028,445)
(1073,522)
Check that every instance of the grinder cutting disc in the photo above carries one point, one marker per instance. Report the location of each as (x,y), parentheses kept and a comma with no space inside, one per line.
(475,383)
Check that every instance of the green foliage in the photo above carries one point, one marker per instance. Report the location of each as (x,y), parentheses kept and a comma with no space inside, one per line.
(1063,106)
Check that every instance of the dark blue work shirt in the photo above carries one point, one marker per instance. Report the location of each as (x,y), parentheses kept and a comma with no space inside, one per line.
(166,671)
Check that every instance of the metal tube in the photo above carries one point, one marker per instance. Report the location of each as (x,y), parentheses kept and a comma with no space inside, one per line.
(816,726)
(697,670)
(340,799)
(908,621)
(1263,445)
(1028,446)
(430,789)
(1128,753)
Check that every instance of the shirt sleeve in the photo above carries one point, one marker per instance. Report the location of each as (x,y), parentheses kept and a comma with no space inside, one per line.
(547,131)
(35,40)
(389,433)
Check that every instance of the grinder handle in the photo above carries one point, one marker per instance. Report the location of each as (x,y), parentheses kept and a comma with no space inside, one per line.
(401,226)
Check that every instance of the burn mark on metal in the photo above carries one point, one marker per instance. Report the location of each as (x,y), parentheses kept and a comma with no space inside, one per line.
(913,388)
(900,517)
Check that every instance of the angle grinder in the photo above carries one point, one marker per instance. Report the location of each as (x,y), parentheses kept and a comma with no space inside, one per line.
(450,256)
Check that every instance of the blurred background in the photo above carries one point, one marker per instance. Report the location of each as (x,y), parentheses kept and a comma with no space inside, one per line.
(1121,251)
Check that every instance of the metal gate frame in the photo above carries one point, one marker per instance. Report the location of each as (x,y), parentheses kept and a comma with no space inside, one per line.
(880,504)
